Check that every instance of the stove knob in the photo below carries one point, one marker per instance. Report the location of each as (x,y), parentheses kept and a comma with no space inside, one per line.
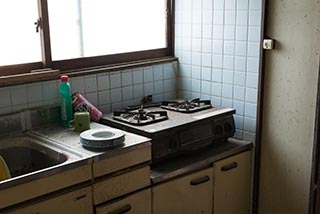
(228,127)
(219,130)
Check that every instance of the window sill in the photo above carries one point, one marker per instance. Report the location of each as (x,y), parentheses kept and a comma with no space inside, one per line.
(33,76)
(48,74)
(120,66)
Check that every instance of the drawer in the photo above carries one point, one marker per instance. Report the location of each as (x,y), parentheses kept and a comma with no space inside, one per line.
(137,203)
(121,161)
(78,201)
(120,185)
(44,185)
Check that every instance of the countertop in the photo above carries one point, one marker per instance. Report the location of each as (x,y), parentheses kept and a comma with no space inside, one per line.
(162,171)
(71,139)
(66,139)
(198,160)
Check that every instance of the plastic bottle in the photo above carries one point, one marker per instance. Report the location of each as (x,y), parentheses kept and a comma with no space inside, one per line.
(66,101)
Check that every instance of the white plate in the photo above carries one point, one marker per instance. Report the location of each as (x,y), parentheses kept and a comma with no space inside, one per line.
(102,138)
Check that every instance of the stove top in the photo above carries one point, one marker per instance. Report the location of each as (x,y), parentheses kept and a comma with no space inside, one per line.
(187,106)
(172,119)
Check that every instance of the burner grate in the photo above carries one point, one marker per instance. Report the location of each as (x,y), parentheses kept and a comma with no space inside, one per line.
(140,116)
(187,106)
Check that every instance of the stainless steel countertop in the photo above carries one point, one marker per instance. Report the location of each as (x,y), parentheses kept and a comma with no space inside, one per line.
(201,159)
(66,139)
(71,139)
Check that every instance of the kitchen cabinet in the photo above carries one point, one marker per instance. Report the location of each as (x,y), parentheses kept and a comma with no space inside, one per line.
(120,185)
(137,203)
(122,161)
(120,175)
(232,180)
(190,194)
(47,184)
(78,201)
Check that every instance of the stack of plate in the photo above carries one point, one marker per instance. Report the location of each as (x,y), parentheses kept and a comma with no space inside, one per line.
(102,138)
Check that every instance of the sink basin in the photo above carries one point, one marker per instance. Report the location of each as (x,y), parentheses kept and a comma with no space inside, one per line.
(38,166)
(24,154)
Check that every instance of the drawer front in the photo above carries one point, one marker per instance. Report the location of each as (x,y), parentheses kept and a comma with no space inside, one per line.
(138,203)
(122,161)
(190,194)
(78,201)
(121,184)
(232,182)
(44,185)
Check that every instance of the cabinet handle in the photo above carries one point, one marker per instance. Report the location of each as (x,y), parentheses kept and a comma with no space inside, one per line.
(229,166)
(200,181)
(80,197)
(121,210)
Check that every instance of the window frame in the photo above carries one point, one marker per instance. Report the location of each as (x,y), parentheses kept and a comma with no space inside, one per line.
(72,65)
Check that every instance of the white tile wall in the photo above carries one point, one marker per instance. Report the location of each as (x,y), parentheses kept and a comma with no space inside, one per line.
(219,59)
(115,80)
(5,100)
(90,83)
(126,78)
(107,91)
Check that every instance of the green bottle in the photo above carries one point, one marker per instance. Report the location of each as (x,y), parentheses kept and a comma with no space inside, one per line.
(66,101)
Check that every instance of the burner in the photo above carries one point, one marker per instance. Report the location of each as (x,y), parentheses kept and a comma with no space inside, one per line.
(187,106)
(139,116)
(146,105)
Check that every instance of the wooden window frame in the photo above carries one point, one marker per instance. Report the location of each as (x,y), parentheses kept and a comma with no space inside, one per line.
(87,63)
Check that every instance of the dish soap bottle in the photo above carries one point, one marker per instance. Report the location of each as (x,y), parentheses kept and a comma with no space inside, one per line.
(66,101)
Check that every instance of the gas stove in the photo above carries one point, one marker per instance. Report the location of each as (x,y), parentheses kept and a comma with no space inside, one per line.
(175,132)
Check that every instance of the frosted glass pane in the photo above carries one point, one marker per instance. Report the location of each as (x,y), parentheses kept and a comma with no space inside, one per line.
(64,29)
(86,28)
(19,42)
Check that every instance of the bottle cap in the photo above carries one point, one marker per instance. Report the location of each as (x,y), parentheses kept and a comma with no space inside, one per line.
(64,78)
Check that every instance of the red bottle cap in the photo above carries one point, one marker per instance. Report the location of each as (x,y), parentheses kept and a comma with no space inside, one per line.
(64,78)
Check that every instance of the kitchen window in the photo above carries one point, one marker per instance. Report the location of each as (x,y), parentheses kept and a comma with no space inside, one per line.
(79,34)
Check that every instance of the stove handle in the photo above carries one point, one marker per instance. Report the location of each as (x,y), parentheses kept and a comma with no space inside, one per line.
(121,210)
(229,166)
(200,181)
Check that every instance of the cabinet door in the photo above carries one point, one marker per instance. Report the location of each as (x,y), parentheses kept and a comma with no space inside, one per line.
(232,179)
(79,201)
(138,203)
(191,194)
(120,185)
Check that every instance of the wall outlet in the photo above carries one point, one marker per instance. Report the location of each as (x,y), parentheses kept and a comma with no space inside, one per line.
(268,44)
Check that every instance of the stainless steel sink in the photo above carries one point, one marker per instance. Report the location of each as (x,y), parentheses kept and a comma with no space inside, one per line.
(27,154)
(40,166)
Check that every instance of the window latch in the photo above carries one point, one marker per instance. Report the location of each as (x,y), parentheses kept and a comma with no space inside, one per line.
(38,24)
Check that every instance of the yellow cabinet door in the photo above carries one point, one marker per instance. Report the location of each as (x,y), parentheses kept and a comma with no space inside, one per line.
(78,201)
(232,179)
(191,194)
(137,203)
(120,185)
